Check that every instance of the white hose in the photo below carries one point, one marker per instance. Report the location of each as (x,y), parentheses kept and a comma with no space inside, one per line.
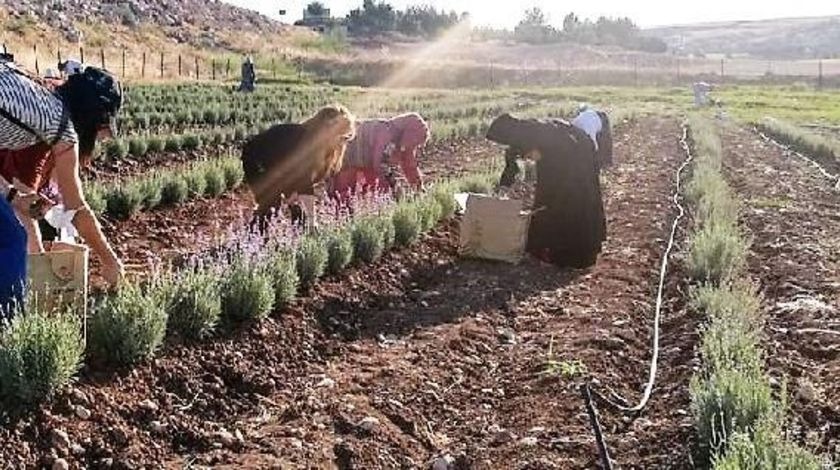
(661,291)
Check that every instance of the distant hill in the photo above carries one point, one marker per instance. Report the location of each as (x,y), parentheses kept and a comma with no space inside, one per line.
(790,38)
(203,26)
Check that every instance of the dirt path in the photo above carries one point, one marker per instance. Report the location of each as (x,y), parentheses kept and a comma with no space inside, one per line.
(452,360)
(794,217)
(419,356)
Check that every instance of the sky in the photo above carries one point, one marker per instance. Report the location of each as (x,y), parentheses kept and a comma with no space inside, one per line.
(646,13)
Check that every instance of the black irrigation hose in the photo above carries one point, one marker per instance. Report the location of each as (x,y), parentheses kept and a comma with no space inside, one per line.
(618,402)
(603,451)
(787,149)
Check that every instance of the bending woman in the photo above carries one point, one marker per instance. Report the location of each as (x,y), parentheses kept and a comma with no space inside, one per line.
(47,135)
(288,161)
(570,227)
(379,146)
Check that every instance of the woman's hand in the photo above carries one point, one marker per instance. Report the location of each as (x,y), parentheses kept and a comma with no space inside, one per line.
(113,270)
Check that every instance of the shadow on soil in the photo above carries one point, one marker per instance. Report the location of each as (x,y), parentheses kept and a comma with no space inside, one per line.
(435,295)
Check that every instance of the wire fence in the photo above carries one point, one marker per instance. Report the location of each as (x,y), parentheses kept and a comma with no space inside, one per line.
(641,70)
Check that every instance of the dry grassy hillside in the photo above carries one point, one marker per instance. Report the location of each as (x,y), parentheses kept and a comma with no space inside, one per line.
(792,38)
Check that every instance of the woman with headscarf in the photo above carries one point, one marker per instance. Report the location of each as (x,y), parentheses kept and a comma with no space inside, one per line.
(46,134)
(288,161)
(569,226)
(381,145)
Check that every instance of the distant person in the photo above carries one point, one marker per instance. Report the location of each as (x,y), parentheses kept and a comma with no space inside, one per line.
(596,124)
(249,76)
(701,94)
(287,162)
(380,146)
(47,136)
(569,226)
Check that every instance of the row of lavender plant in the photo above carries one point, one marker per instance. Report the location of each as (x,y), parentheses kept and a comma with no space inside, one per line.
(243,281)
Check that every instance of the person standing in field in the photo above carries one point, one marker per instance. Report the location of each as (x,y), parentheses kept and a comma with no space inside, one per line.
(288,162)
(43,135)
(596,124)
(249,76)
(569,225)
(380,146)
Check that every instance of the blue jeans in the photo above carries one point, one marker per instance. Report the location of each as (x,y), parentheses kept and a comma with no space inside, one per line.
(12,260)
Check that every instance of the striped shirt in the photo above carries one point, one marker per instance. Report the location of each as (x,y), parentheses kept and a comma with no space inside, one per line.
(36,107)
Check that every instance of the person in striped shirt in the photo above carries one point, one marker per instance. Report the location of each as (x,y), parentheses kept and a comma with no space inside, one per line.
(47,135)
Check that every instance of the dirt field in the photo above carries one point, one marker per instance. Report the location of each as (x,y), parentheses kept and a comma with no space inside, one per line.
(791,212)
(420,357)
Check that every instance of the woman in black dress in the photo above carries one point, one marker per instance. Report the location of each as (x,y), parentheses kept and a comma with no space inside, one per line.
(571,226)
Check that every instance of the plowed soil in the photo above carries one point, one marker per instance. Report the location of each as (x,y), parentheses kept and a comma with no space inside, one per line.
(793,215)
(420,359)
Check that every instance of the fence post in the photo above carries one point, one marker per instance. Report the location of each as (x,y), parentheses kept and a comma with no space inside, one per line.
(143,66)
(721,68)
(58,55)
(492,78)
(213,64)
(820,76)
(679,72)
(636,71)
(161,65)
(197,72)
(180,66)
(273,68)
(227,70)
(123,62)
(37,67)
(82,54)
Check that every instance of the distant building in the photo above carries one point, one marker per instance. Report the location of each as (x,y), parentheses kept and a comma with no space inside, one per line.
(322,22)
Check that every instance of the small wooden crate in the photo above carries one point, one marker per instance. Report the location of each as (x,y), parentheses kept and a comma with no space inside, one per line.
(58,279)
(494,228)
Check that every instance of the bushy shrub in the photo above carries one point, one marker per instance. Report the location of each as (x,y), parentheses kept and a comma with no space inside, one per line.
(95,197)
(122,202)
(40,352)
(340,249)
(138,147)
(282,267)
(194,305)
(215,181)
(385,223)
(429,212)
(173,143)
(312,257)
(234,174)
(727,401)
(247,292)
(765,448)
(367,241)
(191,142)
(156,144)
(717,252)
(126,328)
(174,190)
(444,194)
(406,224)
(151,192)
(116,149)
(196,182)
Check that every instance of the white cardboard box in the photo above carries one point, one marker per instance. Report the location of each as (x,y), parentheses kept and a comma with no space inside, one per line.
(494,228)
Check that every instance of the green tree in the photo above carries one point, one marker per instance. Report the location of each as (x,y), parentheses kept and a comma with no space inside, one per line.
(534,28)
(316,8)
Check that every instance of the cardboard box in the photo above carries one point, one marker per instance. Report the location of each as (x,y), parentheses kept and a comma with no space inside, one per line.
(59,278)
(494,228)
